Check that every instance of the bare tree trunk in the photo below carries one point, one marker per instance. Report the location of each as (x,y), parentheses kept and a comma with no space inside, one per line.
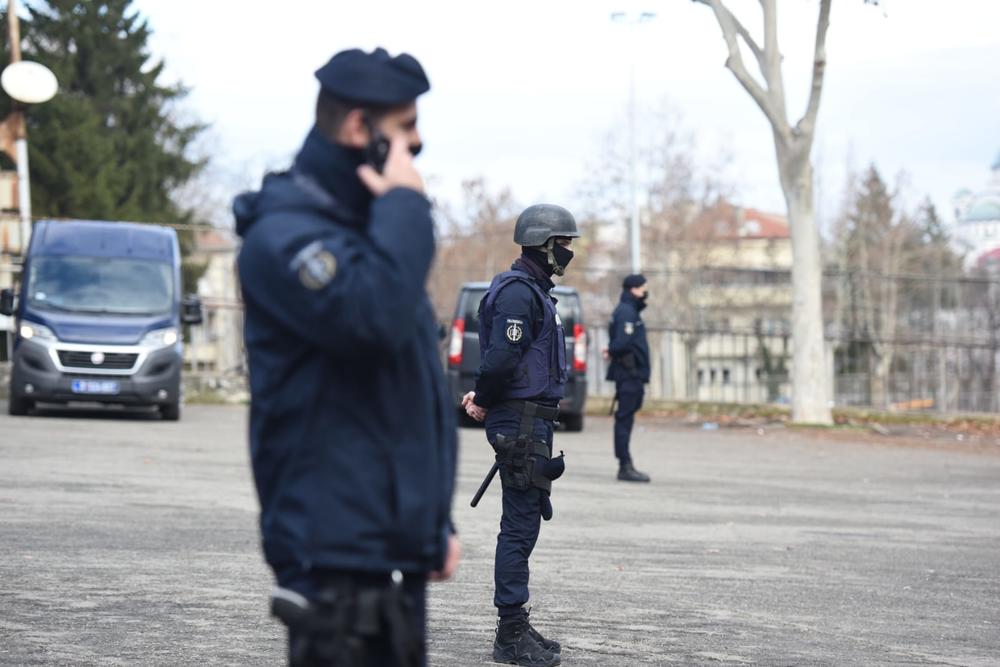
(793,143)
(810,400)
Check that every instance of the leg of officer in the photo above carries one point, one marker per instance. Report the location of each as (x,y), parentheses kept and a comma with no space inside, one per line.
(630,396)
(519,523)
(519,527)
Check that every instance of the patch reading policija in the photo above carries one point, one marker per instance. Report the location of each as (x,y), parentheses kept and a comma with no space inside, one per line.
(315,265)
(629,328)
(514,330)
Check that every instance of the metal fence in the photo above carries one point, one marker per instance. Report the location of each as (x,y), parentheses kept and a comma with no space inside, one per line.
(725,366)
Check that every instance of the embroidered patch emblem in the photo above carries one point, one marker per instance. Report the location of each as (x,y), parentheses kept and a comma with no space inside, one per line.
(514,331)
(629,328)
(315,265)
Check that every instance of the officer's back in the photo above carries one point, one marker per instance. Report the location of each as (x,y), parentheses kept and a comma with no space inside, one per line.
(352,434)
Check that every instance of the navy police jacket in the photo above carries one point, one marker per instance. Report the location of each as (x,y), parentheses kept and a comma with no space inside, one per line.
(521,340)
(352,435)
(628,348)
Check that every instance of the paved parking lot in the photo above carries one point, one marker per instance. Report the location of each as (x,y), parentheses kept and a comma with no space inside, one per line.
(128,541)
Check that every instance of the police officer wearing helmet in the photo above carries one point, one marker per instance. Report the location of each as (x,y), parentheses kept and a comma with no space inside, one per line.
(352,435)
(629,368)
(521,380)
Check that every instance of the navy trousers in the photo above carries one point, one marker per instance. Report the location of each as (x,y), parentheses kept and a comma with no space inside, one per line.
(521,518)
(630,394)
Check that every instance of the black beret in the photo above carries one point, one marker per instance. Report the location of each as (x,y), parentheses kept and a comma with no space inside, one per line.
(373,78)
(634,280)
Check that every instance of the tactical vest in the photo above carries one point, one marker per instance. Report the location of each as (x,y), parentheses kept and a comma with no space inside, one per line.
(542,372)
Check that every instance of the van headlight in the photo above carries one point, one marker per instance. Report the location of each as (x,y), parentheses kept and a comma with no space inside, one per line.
(160,338)
(30,330)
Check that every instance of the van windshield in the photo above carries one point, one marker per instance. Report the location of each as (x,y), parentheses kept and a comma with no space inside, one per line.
(101,285)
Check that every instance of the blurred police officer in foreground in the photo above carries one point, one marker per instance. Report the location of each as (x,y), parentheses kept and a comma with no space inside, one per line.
(521,380)
(352,435)
(629,368)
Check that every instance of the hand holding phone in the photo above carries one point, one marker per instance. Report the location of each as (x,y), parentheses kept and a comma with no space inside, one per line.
(397,172)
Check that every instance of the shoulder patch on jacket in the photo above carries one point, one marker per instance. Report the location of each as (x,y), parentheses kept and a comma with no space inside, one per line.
(629,328)
(315,265)
(515,330)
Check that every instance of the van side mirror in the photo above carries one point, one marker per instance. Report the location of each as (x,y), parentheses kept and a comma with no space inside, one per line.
(191,310)
(6,301)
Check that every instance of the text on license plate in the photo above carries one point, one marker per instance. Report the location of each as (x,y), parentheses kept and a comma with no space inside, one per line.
(95,387)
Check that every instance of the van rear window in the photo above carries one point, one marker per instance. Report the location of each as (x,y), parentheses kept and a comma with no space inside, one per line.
(470,309)
(568,309)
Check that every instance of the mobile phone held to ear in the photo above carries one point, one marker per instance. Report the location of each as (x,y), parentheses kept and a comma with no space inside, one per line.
(377,151)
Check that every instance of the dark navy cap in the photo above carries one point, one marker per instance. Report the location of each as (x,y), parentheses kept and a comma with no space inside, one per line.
(374,78)
(634,280)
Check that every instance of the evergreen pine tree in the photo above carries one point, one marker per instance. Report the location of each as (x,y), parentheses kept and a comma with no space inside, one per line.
(108,146)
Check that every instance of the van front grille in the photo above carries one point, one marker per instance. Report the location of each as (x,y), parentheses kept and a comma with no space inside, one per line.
(112,361)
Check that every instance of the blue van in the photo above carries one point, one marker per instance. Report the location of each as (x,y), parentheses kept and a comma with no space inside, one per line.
(98,317)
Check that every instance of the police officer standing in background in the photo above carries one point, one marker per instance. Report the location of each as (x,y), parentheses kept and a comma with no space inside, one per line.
(352,435)
(629,368)
(522,377)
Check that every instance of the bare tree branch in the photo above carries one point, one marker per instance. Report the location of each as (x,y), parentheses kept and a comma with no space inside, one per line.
(771,65)
(807,124)
(731,29)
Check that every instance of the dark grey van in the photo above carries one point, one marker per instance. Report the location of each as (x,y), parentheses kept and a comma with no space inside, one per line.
(463,349)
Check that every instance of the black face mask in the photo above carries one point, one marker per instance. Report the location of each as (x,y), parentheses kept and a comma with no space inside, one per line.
(563,256)
(644,297)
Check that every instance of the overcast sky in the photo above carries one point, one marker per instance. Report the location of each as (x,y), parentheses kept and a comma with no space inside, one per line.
(523,92)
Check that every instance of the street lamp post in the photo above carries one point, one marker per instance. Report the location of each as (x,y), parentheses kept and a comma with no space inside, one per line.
(27,83)
(632,20)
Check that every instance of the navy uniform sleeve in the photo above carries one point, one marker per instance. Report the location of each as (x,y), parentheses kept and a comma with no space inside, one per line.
(336,291)
(512,333)
(622,331)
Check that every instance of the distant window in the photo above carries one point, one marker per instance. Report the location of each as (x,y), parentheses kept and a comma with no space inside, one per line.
(725,376)
(701,377)
(711,376)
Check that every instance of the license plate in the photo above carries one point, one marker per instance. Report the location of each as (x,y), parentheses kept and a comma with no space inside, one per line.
(95,387)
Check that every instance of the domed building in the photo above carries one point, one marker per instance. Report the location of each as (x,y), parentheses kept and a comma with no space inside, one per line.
(977,219)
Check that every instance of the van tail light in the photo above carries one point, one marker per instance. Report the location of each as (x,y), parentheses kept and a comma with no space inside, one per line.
(457,341)
(579,348)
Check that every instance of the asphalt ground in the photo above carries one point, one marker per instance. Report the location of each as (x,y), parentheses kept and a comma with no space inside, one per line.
(129,541)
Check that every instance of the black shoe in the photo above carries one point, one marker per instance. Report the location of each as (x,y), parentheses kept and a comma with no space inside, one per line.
(628,473)
(514,645)
(550,645)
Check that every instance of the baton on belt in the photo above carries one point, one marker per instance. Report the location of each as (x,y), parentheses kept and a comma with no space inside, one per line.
(502,447)
(486,483)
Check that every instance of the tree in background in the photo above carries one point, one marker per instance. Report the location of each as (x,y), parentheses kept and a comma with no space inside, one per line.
(793,148)
(474,243)
(893,270)
(111,145)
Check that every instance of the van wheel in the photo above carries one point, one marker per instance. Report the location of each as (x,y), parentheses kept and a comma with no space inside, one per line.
(170,412)
(18,407)
(572,423)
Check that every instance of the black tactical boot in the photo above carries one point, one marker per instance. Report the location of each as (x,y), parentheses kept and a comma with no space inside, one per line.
(628,473)
(547,644)
(514,645)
